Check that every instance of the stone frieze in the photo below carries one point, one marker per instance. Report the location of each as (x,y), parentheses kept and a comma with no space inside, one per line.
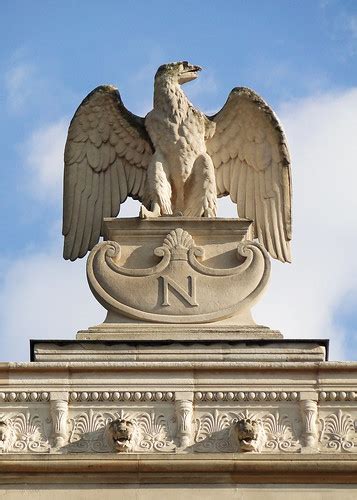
(164,422)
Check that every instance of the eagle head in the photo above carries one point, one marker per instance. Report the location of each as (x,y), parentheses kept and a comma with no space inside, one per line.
(180,72)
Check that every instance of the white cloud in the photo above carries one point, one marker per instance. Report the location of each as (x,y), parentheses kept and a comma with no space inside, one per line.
(44,297)
(43,153)
(17,84)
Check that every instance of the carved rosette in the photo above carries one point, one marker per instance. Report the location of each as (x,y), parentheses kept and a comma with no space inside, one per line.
(182,285)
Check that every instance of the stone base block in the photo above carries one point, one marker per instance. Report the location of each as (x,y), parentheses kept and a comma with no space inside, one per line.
(177,332)
(180,351)
(178,270)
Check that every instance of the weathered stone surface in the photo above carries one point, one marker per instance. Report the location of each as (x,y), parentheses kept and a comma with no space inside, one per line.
(190,419)
(188,350)
(181,406)
(219,332)
(178,270)
(78,491)
(176,161)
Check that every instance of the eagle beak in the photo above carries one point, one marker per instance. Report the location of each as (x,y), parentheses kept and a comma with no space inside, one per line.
(190,73)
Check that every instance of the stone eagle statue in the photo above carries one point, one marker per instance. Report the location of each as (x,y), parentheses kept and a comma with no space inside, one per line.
(176,161)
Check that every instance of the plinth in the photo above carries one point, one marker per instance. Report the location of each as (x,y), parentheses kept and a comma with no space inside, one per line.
(178,270)
(178,391)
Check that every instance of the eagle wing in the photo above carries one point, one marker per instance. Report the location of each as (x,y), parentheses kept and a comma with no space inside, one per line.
(106,156)
(252,165)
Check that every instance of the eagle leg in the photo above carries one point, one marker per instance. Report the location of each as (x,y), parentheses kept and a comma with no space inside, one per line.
(200,189)
(150,214)
(158,190)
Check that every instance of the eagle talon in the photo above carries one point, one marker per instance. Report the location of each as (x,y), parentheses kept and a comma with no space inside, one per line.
(208,212)
(148,214)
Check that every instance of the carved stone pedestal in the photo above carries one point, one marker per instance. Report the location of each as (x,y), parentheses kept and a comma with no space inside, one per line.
(178,271)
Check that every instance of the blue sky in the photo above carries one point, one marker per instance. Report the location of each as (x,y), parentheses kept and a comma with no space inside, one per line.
(299,55)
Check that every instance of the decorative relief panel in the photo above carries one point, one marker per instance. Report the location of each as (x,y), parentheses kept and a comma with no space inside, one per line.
(338,432)
(280,433)
(155,433)
(213,432)
(176,286)
(24,432)
(90,431)
(217,421)
(229,431)
(86,432)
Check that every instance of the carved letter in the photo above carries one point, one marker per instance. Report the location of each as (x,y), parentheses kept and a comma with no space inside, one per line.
(190,298)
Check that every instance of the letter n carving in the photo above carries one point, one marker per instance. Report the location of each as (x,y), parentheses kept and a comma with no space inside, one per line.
(189,296)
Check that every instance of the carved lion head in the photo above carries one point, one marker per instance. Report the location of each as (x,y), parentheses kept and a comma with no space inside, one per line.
(121,432)
(248,432)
